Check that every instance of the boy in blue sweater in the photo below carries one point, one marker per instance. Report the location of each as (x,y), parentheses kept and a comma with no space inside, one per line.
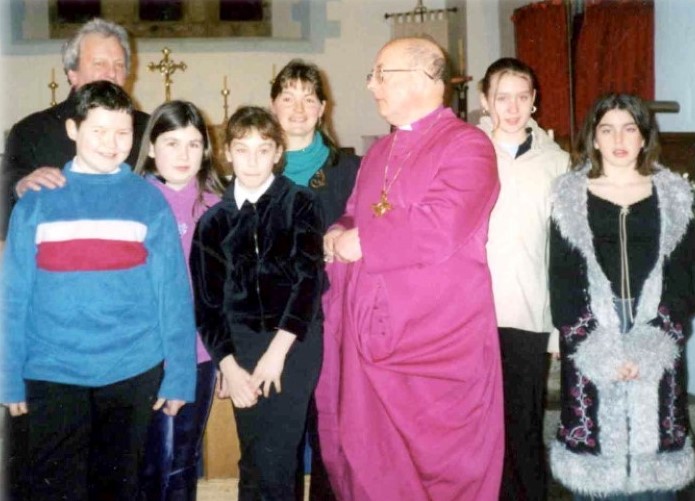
(98,319)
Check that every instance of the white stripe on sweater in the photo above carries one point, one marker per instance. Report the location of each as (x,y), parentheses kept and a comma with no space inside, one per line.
(102,229)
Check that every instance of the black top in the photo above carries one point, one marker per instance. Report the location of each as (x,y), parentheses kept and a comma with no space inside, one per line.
(642,224)
(526,145)
(258,268)
(333,184)
(584,230)
(41,140)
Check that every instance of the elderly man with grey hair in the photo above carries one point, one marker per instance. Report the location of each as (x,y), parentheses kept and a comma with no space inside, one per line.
(38,146)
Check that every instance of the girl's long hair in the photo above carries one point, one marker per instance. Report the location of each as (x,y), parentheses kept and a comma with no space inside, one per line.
(644,119)
(178,115)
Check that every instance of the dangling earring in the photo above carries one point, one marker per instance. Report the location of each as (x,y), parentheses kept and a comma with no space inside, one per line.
(533,109)
(485,112)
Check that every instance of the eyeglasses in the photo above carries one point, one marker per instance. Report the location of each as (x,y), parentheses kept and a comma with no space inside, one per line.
(379,74)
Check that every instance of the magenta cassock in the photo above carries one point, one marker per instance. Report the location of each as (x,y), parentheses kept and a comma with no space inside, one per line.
(410,396)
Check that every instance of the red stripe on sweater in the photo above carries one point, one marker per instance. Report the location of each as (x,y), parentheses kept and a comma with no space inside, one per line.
(90,255)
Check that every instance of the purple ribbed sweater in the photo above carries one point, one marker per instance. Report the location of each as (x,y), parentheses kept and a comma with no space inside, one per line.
(182,204)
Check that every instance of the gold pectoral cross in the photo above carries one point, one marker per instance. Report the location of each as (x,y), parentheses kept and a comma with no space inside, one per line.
(383,206)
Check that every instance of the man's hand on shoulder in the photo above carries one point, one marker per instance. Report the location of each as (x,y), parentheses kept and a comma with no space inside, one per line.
(43,177)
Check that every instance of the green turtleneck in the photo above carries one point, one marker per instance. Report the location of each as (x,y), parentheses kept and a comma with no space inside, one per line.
(303,164)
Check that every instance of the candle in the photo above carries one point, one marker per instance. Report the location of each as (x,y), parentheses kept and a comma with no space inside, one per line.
(272,77)
(53,74)
(225,82)
(462,60)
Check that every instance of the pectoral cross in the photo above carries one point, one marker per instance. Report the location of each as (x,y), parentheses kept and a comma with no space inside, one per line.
(167,68)
(383,206)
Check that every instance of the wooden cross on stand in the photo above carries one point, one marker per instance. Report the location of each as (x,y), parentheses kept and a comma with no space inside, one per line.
(167,68)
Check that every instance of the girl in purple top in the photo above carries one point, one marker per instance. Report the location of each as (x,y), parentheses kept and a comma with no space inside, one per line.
(176,157)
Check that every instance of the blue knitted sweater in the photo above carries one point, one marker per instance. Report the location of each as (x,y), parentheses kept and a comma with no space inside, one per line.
(95,288)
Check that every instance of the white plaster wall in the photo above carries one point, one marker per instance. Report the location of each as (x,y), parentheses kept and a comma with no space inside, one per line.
(483,31)
(674,65)
(345,59)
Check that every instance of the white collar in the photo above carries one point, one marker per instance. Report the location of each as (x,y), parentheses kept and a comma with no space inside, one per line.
(76,167)
(242,193)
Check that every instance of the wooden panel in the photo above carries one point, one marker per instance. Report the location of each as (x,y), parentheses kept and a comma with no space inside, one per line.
(217,133)
(678,152)
(220,442)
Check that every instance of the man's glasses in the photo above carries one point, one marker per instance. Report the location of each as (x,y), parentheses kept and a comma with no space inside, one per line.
(379,74)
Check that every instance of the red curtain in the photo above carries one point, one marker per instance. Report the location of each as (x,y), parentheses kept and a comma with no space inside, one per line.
(614,52)
(541,35)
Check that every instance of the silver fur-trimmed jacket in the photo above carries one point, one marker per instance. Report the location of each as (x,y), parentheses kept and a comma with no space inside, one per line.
(622,437)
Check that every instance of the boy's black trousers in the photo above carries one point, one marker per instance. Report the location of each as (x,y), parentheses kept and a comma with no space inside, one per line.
(86,443)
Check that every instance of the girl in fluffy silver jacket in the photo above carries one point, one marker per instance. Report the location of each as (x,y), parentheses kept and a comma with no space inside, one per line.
(622,256)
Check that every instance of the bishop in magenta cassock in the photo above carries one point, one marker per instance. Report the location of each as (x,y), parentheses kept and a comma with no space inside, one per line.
(410,396)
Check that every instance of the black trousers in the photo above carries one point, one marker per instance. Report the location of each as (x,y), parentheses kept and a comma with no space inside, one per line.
(525,370)
(86,443)
(320,487)
(270,432)
(13,481)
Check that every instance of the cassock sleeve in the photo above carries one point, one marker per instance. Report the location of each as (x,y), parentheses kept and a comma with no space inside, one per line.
(458,201)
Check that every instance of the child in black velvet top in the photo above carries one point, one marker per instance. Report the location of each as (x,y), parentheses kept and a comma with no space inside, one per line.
(258,275)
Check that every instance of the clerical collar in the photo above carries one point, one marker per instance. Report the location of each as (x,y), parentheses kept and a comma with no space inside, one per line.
(423,120)
(76,167)
(242,193)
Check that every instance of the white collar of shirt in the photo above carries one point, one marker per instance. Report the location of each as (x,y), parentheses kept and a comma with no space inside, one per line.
(510,148)
(242,193)
(406,127)
(76,167)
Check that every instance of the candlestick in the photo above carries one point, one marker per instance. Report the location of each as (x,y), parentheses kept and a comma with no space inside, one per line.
(225,95)
(53,86)
(462,58)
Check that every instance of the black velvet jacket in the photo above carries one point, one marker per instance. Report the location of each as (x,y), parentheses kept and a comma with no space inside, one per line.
(258,268)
